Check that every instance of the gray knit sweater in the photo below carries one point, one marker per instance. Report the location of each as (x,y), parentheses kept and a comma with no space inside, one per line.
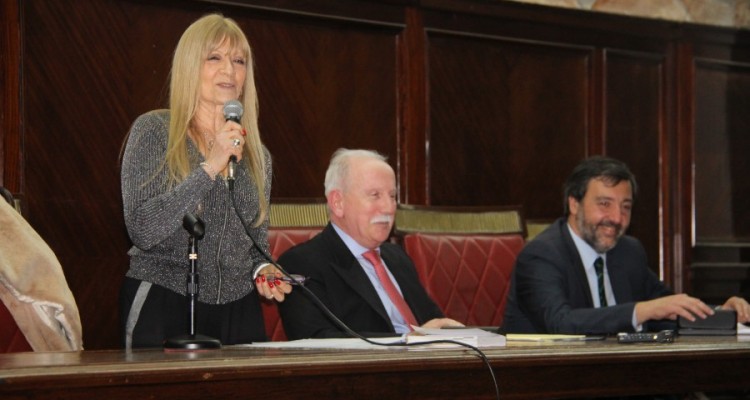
(154,213)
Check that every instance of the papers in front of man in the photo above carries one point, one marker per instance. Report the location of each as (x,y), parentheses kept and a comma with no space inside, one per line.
(743,329)
(538,337)
(339,344)
(472,336)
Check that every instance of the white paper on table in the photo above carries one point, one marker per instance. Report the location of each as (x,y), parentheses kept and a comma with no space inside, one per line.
(471,336)
(346,343)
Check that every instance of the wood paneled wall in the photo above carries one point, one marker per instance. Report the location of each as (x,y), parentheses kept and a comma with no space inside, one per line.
(474,102)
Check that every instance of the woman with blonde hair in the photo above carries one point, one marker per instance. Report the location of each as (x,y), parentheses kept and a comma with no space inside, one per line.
(175,162)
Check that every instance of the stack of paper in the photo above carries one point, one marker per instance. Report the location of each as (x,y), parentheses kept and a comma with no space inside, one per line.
(471,336)
(344,343)
(539,337)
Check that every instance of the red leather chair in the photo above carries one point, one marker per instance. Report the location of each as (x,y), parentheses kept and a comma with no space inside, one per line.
(292,222)
(464,256)
(11,338)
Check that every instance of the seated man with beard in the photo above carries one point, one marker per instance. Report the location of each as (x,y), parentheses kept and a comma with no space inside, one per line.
(583,275)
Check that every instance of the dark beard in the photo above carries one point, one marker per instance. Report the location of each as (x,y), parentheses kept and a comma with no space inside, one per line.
(588,233)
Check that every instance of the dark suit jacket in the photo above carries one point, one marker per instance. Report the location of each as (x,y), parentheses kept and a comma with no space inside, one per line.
(339,281)
(550,294)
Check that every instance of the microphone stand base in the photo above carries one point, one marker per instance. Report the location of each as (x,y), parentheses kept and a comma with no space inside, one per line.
(191,343)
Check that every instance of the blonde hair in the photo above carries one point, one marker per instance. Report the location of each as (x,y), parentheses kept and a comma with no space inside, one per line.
(201,37)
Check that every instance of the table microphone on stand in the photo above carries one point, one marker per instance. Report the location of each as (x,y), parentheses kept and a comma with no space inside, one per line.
(192,341)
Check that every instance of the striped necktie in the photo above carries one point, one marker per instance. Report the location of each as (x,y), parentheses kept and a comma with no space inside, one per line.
(599,267)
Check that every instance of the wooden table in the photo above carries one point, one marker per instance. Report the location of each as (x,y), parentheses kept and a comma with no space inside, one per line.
(524,371)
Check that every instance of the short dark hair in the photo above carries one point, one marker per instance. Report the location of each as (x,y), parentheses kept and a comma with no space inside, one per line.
(610,170)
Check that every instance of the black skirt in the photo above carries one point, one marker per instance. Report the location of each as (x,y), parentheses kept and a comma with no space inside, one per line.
(164,314)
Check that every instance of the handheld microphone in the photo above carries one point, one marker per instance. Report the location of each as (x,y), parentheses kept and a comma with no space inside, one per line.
(232,112)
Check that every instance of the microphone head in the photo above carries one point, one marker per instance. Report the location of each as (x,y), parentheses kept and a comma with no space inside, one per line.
(233,110)
(194,225)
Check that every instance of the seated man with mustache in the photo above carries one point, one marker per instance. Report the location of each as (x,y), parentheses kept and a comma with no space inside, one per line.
(583,275)
(369,284)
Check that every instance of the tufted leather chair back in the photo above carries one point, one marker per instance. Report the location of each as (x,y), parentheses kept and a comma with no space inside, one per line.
(291,222)
(464,256)
(468,276)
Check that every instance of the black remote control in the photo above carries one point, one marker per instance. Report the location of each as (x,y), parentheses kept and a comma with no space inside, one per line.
(665,336)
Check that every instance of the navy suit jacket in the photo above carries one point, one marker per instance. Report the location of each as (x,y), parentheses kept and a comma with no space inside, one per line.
(336,277)
(550,293)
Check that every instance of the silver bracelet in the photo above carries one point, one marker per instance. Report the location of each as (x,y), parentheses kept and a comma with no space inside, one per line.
(211,172)
(258,267)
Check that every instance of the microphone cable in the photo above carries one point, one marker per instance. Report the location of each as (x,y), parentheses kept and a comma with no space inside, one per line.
(314,298)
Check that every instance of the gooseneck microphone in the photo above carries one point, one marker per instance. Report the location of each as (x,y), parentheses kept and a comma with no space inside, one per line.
(232,112)
(192,341)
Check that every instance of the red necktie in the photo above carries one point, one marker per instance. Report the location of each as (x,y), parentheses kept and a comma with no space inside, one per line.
(374,258)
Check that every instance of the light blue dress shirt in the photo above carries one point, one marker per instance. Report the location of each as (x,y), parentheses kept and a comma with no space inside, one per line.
(398,321)
(588,256)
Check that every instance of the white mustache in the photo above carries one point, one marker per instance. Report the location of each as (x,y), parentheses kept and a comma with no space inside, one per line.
(381,219)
